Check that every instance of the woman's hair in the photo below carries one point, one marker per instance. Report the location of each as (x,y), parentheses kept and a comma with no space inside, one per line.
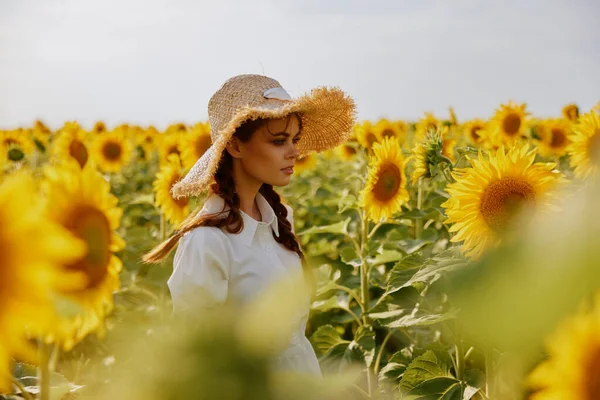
(232,221)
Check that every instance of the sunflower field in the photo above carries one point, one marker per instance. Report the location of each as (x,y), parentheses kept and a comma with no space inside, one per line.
(455,260)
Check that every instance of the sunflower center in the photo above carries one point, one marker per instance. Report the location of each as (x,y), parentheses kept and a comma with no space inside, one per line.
(181,202)
(594,147)
(202,144)
(511,124)
(112,151)
(388,182)
(15,154)
(559,138)
(474,133)
(92,226)
(79,152)
(387,132)
(349,150)
(371,138)
(591,377)
(503,199)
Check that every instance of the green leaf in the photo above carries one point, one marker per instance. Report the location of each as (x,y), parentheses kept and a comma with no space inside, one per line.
(420,319)
(326,305)
(365,338)
(145,198)
(346,202)
(349,256)
(422,369)
(386,256)
(338,228)
(326,337)
(414,269)
(439,388)
(395,367)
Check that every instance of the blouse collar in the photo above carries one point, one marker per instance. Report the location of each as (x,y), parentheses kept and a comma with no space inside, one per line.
(215,204)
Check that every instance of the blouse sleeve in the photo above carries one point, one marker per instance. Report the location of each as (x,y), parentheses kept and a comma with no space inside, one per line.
(200,270)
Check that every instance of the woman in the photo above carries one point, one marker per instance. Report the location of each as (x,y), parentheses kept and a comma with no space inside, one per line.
(243,237)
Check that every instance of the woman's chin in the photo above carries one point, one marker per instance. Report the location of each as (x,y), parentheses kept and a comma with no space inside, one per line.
(280,182)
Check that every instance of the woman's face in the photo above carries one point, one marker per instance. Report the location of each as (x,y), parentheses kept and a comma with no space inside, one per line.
(270,154)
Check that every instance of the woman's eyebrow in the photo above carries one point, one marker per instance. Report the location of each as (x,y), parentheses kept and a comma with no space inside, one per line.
(285,134)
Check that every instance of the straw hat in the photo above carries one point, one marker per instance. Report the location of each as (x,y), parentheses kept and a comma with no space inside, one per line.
(327,118)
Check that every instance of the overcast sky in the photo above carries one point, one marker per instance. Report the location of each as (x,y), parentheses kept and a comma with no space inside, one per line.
(159,61)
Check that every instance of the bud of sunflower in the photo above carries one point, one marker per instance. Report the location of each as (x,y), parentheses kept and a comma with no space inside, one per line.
(427,154)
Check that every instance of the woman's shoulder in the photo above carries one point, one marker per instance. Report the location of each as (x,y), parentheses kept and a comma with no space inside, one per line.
(206,235)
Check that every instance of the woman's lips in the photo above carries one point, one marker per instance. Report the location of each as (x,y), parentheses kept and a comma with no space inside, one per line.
(288,170)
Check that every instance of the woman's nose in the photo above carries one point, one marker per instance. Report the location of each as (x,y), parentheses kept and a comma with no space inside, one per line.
(294,152)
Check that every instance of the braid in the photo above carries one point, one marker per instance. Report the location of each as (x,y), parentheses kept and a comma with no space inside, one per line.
(286,236)
(224,186)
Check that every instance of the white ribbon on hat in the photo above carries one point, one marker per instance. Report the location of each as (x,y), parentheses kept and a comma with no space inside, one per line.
(278,93)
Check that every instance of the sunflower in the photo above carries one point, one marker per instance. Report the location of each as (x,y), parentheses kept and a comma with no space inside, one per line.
(111,151)
(195,144)
(170,144)
(554,137)
(99,127)
(305,163)
(384,128)
(425,154)
(572,369)
(429,123)
(448,144)
(366,134)
(15,146)
(71,146)
(27,277)
(571,112)
(347,151)
(486,198)
(585,147)
(41,134)
(453,119)
(473,130)
(385,191)
(147,139)
(179,128)
(509,124)
(174,210)
(80,201)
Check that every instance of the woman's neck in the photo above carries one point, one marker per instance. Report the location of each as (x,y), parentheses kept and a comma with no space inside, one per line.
(247,189)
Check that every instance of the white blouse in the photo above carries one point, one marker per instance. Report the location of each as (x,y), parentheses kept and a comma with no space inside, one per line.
(212,266)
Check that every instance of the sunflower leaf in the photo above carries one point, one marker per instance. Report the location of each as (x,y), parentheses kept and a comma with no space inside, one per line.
(340,227)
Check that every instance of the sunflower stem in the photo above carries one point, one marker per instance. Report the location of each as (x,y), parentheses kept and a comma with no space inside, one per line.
(163,227)
(489,373)
(364,284)
(448,176)
(459,348)
(54,353)
(44,371)
(351,294)
(447,161)
(381,348)
(26,395)
(419,221)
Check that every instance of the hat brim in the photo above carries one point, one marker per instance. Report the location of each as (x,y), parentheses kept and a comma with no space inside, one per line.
(328,115)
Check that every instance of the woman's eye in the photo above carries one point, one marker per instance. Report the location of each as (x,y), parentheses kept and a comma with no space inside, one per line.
(278,142)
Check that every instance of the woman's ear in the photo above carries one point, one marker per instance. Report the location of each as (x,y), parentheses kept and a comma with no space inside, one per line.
(233,148)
